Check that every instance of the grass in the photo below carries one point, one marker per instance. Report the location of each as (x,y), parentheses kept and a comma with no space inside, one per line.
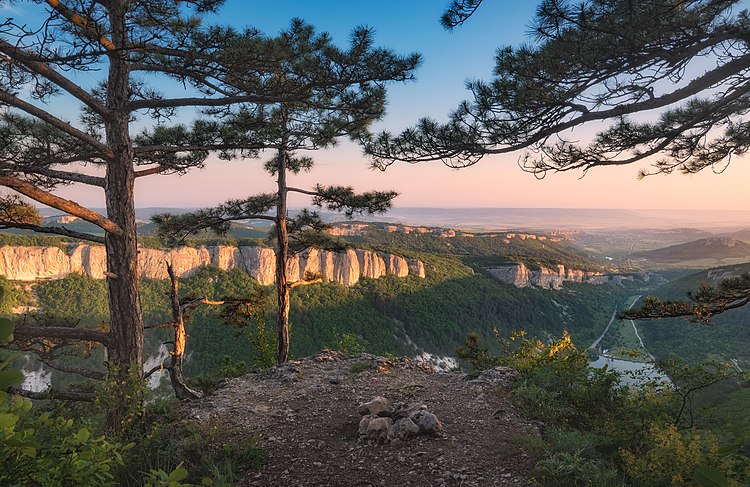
(622,342)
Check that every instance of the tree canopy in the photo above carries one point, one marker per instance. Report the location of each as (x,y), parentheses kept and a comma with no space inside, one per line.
(669,76)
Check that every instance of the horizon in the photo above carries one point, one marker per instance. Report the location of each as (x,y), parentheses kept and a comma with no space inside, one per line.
(527,219)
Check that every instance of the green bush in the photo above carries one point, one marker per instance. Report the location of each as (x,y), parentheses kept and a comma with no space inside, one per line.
(184,453)
(232,368)
(45,449)
(669,457)
(51,450)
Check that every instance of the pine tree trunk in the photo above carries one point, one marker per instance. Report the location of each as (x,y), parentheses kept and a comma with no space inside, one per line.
(181,389)
(125,353)
(282,256)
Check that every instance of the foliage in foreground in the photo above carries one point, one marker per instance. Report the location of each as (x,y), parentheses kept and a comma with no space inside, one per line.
(598,432)
(46,449)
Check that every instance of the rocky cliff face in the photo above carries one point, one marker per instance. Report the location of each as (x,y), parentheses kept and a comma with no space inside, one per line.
(521,276)
(34,263)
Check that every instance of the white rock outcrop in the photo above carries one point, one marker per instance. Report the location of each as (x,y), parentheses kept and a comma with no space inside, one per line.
(347,268)
(521,276)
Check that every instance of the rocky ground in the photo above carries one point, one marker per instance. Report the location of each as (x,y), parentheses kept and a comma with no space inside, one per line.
(306,416)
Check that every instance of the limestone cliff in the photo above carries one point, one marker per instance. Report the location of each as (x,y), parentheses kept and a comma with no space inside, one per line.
(521,276)
(347,268)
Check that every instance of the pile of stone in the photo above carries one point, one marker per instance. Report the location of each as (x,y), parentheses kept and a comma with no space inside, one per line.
(383,422)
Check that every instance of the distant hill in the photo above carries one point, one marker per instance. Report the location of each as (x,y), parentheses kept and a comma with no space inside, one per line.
(743,235)
(717,248)
(236,230)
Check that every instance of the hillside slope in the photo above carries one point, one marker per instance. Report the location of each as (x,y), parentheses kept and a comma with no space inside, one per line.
(725,339)
(717,248)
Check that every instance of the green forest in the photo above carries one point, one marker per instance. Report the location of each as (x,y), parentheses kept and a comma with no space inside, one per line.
(436,313)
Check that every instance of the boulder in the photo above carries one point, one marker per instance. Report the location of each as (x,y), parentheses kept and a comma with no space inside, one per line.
(403,429)
(378,428)
(379,406)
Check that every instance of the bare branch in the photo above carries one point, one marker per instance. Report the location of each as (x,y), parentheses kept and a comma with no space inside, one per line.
(306,283)
(28,189)
(54,394)
(63,332)
(206,102)
(74,177)
(70,369)
(154,370)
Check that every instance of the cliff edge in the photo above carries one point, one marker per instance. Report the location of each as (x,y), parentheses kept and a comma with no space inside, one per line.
(305,415)
(34,263)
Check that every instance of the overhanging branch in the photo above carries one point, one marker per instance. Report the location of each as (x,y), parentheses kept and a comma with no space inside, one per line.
(62,332)
(49,199)
(54,230)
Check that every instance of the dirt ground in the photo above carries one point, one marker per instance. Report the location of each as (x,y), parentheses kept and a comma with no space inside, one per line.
(305,415)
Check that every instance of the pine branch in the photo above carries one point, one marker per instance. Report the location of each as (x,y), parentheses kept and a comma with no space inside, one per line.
(62,204)
(87,27)
(45,116)
(54,230)
(43,69)
(702,305)
(458,12)
(174,229)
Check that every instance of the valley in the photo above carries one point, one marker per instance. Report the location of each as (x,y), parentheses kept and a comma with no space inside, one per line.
(399,290)
(435,285)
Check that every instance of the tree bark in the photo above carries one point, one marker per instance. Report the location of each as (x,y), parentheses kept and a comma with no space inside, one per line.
(282,257)
(125,353)
(181,389)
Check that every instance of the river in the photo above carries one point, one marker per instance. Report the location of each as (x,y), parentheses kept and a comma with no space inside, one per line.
(631,373)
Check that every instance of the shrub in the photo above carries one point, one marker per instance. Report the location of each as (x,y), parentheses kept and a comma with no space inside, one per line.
(51,450)
(349,344)
(670,456)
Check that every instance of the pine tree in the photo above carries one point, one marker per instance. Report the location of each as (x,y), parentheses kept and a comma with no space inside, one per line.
(349,96)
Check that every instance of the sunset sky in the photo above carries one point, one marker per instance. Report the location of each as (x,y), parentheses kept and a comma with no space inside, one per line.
(449,58)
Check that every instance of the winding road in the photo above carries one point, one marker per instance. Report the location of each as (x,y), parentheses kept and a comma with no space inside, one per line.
(611,320)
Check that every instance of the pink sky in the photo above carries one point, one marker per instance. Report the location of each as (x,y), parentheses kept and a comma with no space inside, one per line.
(494,182)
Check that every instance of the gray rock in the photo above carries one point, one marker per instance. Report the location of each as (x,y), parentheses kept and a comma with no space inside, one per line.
(379,406)
(363,424)
(403,429)
(429,423)
(498,376)
(378,428)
